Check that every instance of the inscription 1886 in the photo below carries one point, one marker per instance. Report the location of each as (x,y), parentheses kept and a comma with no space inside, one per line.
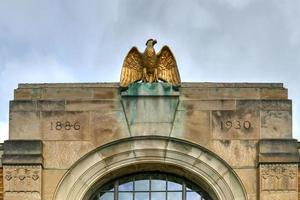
(59,125)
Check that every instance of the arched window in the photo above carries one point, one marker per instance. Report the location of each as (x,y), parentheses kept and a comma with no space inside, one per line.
(150,186)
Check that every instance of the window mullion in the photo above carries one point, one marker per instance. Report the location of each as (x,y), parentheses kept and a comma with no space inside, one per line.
(116,193)
(183,191)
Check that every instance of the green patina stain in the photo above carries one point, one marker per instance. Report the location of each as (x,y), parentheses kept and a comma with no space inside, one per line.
(150,89)
(149,105)
(36,93)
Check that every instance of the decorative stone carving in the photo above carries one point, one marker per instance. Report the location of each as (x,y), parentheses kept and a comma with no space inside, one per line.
(22,181)
(276,177)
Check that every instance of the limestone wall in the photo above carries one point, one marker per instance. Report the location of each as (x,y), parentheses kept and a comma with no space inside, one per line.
(249,126)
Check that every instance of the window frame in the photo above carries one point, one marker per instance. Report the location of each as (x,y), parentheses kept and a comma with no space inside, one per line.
(150,176)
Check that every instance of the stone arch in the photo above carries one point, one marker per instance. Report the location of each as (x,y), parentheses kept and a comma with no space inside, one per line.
(150,153)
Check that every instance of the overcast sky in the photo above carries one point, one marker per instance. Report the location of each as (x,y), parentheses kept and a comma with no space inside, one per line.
(86,41)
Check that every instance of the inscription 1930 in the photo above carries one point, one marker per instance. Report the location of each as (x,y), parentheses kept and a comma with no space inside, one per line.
(59,125)
(236,124)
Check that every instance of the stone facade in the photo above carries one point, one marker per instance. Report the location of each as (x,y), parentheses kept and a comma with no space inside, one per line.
(233,139)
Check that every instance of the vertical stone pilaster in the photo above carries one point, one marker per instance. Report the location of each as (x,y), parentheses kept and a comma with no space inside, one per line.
(22,170)
(278,169)
(23,182)
(278,181)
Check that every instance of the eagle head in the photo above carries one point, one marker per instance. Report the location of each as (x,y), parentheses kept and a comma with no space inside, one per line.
(151,42)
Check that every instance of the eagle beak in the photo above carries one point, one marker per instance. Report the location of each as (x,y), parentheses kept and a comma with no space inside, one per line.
(154,42)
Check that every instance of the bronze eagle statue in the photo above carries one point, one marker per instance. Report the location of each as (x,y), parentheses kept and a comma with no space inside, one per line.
(149,66)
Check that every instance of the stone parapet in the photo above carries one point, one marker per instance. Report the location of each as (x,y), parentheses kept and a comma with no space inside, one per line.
(203,91)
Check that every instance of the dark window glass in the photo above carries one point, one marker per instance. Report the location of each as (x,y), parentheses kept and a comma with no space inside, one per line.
(150,186)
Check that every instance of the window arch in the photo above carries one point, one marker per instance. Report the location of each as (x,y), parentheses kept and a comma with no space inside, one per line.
(150,186)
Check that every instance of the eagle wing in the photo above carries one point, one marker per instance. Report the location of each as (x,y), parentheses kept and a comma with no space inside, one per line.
(132,69)
(167,67)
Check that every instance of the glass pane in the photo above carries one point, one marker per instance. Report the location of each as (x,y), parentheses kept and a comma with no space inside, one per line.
(158,195)
(126,187)
(142,185)
(125,195)
(174,195)
(141,196)
(163,187)
(107,196)
(158,185)
(174,186)
(193,196)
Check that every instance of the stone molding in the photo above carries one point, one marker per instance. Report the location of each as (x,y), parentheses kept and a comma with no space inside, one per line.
(20,152)
(278,151)
(136,153)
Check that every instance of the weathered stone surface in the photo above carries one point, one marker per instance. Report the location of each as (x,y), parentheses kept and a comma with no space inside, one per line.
(276,178)
(62,154)
(149,148)
(51,105)
(93,105)
(237,153)
(278,151)
(220,93)
(24,147)
(207,105)
(150,109)
(276,124)
(144,128)
(150,89)
(63,125)
(21,152)
(249,179)
(273,93)
(28,93)
(193,126)
(183,148)
(239,124)
(265,105)
(106,93)
(24,125)
(50,182)
(67,93)
(1,154)
(23,105)
(153,112)
(23,182)
(108,126)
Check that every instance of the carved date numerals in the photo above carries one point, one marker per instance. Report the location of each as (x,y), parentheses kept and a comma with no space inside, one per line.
(58,125)
(236,124)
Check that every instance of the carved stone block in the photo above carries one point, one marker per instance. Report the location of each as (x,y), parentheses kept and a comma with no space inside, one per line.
(278,180)
(22,182)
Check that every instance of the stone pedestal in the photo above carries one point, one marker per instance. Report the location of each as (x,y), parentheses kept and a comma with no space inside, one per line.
(150,108)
